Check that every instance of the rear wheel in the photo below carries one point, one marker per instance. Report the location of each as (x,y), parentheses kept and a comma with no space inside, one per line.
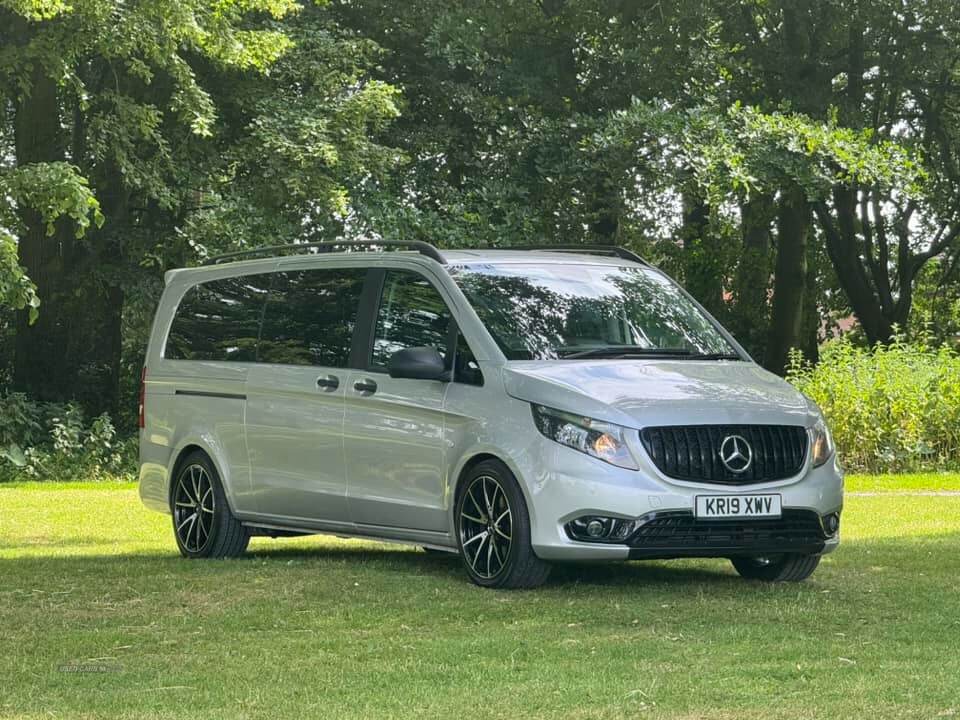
(787,567)
(202,522)
(493,530)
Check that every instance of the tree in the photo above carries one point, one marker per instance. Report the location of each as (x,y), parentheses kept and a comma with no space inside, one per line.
(887,68)
(168,114)
(502,101)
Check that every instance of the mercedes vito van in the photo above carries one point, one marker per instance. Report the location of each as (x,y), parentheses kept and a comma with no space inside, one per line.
(518,407)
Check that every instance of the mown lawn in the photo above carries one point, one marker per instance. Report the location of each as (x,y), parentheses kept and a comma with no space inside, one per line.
(99,617)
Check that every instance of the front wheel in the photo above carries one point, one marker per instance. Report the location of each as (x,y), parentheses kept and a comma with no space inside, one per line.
(493,530)
(787,567)
(202,522)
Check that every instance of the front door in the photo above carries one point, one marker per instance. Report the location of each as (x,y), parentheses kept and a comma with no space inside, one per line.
(394,428)
(295,394)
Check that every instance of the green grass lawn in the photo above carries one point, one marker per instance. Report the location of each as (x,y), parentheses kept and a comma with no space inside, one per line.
(320,627)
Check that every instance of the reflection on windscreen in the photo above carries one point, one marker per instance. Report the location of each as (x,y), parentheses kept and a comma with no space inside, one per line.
(544,312)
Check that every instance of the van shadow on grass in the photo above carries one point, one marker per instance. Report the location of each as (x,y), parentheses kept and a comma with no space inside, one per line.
(916,556)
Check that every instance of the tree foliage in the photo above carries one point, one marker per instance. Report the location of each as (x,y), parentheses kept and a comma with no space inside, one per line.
(138,136)
(791,161)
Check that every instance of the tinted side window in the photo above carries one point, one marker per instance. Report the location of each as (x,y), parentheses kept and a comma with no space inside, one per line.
(219,320)
(310,317)
(411,314)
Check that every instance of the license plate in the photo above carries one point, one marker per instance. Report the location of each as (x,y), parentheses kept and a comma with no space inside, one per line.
(738,506)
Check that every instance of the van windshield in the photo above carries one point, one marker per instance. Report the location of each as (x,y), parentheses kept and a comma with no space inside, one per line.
(567,311)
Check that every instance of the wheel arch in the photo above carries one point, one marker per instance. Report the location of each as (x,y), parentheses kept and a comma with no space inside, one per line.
(469,462)
(182,453)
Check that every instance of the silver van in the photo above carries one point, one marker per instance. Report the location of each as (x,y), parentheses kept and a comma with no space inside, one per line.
(518,407)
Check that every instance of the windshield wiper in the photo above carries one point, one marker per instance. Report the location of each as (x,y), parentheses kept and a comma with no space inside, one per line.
(627,350)
(619,351)
(716,356)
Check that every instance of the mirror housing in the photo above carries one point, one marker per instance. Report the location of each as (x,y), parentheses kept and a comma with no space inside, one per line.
(417,363)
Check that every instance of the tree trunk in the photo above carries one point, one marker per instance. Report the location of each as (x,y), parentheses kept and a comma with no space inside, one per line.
(790,277)
(41,365)
(751,310)
(843,249)
(810,325)
(72,351)
(703,277)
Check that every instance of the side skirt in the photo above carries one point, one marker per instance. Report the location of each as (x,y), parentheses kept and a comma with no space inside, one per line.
(418,538)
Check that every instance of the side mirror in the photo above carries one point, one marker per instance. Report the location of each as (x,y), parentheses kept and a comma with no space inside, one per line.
(417,363)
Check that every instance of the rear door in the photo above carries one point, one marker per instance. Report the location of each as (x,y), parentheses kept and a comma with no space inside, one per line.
(393,428)
(199,384)
(295,393)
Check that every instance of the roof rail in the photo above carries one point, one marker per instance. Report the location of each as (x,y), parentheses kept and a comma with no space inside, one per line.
(614,250)
(423,248)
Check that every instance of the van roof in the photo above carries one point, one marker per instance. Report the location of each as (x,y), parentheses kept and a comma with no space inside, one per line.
(593,255)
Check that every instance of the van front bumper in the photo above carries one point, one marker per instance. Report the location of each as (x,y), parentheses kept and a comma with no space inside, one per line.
(568,485)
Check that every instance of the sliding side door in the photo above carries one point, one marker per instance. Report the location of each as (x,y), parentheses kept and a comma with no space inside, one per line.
(295,394)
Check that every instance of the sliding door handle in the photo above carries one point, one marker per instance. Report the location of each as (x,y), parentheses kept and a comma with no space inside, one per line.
(365,386)
(328,383)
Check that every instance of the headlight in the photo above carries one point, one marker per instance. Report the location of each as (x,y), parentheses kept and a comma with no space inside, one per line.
(601,440)
(822,444)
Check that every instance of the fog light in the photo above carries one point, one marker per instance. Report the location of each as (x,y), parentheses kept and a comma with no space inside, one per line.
(595,528)
(831,523)
(598,528)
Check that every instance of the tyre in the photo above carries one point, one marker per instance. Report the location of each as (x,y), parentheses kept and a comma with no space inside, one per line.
(789,567)
(202,522)
(493,530)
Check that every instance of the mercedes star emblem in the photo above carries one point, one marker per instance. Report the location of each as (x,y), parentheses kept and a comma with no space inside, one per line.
(736,454)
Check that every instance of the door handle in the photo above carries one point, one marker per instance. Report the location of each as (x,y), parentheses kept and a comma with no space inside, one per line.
(366,386)
(328,382)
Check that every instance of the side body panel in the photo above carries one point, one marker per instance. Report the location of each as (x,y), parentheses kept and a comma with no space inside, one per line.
(394,443)
(294,436)
(396,454)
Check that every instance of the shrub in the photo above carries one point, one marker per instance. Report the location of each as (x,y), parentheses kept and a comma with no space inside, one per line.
(894,408)
(51,441)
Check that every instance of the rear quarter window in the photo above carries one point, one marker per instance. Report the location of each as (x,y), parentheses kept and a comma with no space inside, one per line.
(219,320)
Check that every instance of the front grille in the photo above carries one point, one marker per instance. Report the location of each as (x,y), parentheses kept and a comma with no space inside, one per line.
(692,452)
(680,533)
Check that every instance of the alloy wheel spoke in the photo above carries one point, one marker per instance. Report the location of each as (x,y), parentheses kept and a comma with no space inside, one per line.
(186,520)
(478,536)
(496,552)
(184,492)
(486,496)
(476,504)
(203,501)
(193,482)
(490,556)
(186,536)
(196,533)
(476,555)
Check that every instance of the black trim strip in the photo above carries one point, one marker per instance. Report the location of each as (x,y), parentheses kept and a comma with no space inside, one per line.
(362,347)
(204,393)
